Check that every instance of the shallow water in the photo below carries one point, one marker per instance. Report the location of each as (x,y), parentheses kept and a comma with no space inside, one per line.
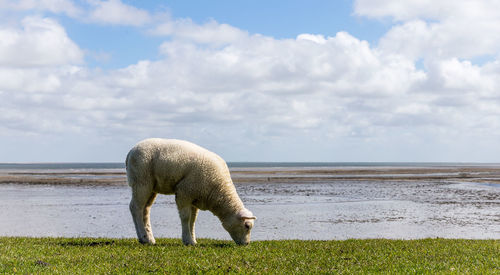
(316,210)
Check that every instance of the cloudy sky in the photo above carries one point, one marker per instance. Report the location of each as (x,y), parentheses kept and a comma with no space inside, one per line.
(362,80)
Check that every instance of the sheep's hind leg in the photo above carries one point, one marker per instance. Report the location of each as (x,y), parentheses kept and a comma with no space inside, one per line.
(146,216)
(140,205)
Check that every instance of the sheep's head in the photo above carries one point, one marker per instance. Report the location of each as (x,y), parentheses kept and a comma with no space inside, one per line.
(239,226)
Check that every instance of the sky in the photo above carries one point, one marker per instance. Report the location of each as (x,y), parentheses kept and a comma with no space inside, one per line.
(336,81)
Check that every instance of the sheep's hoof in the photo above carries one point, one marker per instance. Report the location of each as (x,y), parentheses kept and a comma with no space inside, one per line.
(189,243)
(147,242)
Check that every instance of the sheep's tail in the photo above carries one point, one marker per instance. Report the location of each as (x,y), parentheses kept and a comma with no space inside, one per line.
(129,180)
(126,160)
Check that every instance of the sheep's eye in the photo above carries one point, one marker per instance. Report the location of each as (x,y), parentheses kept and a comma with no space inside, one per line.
(247,225)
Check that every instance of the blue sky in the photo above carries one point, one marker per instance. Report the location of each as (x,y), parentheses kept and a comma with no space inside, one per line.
(361,80)
(118,46)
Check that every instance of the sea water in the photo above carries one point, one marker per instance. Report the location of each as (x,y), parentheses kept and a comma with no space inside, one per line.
(323,209)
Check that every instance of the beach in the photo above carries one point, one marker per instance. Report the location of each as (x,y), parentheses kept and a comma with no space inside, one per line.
(291,202)
(480,173)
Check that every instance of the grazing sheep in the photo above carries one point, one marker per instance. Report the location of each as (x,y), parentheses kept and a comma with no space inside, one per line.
(199,179)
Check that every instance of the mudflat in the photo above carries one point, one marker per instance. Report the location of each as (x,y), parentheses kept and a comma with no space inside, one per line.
(322,203)
(481,174)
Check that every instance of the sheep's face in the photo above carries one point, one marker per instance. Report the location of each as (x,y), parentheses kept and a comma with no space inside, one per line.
(239,227)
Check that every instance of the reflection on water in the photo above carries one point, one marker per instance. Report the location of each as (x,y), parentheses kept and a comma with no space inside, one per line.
(320,210)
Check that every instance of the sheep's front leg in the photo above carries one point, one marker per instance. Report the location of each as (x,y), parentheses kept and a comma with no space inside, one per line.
(185,213)
(192,220)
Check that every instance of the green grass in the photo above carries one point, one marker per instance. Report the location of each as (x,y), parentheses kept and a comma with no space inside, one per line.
(98,256)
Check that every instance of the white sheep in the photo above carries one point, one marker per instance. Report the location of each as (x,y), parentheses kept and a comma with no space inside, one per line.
(199,179)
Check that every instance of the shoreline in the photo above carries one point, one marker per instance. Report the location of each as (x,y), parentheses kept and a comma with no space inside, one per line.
(326,204)
(242,175)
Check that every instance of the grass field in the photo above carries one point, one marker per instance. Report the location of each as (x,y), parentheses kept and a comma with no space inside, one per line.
(98,256)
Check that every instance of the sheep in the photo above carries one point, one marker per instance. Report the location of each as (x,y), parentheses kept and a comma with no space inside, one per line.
(199,179)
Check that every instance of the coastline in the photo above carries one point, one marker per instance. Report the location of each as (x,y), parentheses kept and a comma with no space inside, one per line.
(241,175)
(326,202)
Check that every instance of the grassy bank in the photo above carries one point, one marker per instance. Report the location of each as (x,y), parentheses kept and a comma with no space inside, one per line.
(83,255)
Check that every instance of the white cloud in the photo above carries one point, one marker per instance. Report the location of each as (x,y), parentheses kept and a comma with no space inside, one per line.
(264,84)
(460,75)
(54,6)
(438,29)
(208,33)
(115,12)
(262,87)
(254,97)
(312,37)
(29,80)
(442,40)
(40,42)
(427,9)
(327,89)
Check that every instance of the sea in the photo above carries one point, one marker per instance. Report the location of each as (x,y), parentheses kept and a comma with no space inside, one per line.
(121,165)
(292,200)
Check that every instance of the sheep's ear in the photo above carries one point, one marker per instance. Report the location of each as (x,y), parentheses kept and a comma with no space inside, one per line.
(245,214)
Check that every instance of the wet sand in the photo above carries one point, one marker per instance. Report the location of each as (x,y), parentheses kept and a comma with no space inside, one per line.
(290,203)
(92,177)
